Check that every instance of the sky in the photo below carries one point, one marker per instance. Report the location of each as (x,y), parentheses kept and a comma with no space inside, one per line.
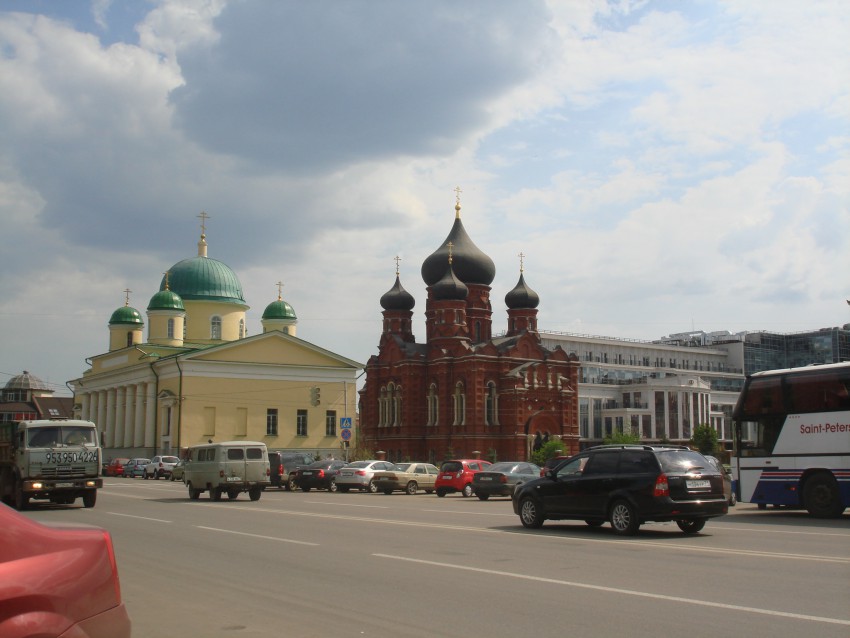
(663,166)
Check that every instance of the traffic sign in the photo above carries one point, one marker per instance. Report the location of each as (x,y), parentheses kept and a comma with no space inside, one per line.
(345,423)
(345,434)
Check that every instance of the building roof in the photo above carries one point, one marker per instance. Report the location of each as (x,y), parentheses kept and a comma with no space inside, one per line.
(26,381)
(203,279)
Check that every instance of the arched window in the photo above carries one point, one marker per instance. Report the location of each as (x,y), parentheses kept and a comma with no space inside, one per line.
(185,323)
(397,406)
(170,328)
(129,339)
(215,328)
(459,404)
(433,405)
(382,407)
(491,404)
(241,328)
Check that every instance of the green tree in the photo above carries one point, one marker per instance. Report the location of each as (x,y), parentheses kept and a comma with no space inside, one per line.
(547,451)
(705,439)
(622,438)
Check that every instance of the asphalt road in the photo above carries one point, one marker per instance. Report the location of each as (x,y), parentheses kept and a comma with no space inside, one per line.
(320,564)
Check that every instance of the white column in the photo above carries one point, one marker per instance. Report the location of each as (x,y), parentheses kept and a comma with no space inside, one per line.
(120,399)
(100,398)
(110,417)
(129,414)
(151,416)
(84,406)
(139,428)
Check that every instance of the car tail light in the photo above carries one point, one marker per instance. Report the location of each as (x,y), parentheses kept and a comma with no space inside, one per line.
(661,486)
(110,550)
(360,472)
(280,470)
(320,474)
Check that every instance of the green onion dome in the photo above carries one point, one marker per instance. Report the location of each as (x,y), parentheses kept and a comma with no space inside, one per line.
(166,300)
(279,310)
(126,315)
(203,279)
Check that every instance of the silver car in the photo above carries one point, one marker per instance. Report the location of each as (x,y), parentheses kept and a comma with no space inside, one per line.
(160,467)
(358,475)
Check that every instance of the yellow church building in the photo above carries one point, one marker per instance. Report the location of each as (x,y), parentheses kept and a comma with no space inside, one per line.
(200,377)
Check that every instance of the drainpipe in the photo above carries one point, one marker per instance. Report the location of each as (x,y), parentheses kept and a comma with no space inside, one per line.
(179,402)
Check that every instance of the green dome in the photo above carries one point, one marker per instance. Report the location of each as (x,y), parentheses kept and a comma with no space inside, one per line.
(126,315)
(166,300)
(204,279)
(279,310)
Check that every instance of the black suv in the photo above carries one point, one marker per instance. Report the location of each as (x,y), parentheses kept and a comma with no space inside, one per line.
(626,485)
(282,467)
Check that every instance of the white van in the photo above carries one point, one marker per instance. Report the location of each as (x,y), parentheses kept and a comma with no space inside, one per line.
(228,468)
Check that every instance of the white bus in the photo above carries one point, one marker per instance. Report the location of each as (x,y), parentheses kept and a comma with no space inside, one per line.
(792,439)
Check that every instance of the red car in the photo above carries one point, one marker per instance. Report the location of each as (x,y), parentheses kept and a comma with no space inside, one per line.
(58,581)
(456,476)
(115,467)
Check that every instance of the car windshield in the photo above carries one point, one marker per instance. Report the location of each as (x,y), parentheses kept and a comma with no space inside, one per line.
(402,467)
(501,467)
(451,466)
(683,461)
(170,459)
(360,464)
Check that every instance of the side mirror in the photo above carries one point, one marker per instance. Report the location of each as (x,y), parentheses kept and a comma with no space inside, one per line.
(550,473)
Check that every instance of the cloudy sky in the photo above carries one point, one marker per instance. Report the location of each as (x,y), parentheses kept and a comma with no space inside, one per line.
(664,166)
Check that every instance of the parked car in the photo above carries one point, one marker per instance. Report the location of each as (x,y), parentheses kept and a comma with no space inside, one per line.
(229,467)
(319,475)
(81,596)
(727,480)
(283,466)
(358,475)
(456,476)
(500,479)
(115,467)
(160,467)
(135,468)
(626,485)
(178,471)
(407,477)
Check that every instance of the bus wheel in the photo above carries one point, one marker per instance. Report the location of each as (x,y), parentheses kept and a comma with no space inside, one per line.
(821,496)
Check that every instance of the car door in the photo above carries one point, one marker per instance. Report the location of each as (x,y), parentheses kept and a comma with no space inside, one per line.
(558,492)
(597,481)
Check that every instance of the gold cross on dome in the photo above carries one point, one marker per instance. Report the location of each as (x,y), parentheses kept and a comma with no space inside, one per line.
(127,292)
(521,257)
(279,290)
(396,259)
(457,194)
(450,245)
(203,217)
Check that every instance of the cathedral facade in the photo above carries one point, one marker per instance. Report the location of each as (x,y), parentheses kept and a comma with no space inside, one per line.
(464,393)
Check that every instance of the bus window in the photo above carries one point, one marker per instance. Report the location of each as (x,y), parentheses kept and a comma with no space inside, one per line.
(817,393)
(763,396)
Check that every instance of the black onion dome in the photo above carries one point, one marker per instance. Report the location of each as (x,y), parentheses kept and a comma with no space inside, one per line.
(450,288)
(522,296)
(471,265)
(397,298)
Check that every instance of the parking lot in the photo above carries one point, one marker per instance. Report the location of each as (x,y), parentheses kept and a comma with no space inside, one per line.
(360,564)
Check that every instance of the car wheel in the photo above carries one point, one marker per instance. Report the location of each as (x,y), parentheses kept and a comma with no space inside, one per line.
(593,523)
(530,514)
(332,486)
(233,494)
(691,526)
(291,485)
(255,493)
(441,493)
(821,496)
(483,497)
(467,490)
(372,488)
(411,487)
(193,493)
(145,475)
(172,477)
(624,518)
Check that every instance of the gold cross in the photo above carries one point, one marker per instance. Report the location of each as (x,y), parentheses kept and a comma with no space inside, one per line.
(457,194)
(521,256)
(127,292)
(279,290)
(166,279)
(204,217)
(396,259)
(450,245)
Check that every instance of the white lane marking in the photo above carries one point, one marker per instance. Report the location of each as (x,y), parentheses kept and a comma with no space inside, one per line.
(742,527)
(628,592)
(144,518)
(268,538)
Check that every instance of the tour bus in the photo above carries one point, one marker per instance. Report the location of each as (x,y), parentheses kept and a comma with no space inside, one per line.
(792,439)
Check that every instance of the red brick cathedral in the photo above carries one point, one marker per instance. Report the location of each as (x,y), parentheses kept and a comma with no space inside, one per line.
(464,393)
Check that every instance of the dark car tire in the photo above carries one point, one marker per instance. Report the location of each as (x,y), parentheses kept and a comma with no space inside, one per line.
(332,486)
(483,497)
(441,493)
(89,499)
(172,476)
(145,476)
(594,523)
(411,487)
(291,485)
(372,488)
(530,514)
(467,490)
(193,493)
(821,496)
(691,526)
(255,493)
(624,518)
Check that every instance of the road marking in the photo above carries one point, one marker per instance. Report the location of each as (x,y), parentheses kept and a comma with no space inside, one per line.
(763,530)
(144,518)
(268,538)
(627,592)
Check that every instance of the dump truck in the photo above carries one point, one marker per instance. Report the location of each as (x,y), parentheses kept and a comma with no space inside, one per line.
(54,460)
